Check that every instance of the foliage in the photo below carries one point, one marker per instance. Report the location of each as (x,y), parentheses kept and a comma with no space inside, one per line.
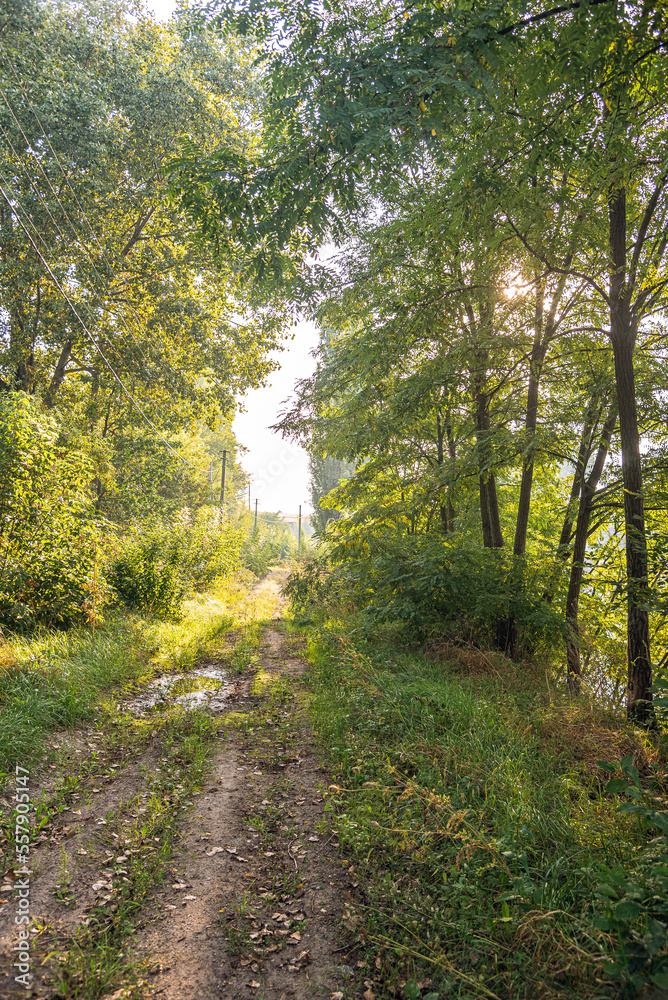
(50,543)
(146,574)
(173,324)
(157,567)
(271,542)
(311,588)
(635,898)
(445,586)
(477,849)
(326,473)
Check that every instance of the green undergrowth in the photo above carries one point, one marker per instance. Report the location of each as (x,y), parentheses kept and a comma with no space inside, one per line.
(480,851)
(55,679)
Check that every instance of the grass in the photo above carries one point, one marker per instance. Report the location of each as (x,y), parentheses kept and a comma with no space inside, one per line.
(479,843)
(53,680)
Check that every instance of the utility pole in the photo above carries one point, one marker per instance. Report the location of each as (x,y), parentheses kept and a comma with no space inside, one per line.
(249,506)
(222,485)
(256,516)
(299,532)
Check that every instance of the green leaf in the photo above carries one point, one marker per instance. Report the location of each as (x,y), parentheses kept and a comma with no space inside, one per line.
(616,785)
(628,910)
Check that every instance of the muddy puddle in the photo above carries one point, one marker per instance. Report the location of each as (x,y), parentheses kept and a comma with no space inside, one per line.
(206,687)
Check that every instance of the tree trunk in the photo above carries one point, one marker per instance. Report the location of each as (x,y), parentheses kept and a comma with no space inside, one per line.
(584,451)
(538,350)
(21,349)
(573,665)
(442,509)
(545,329)
(489,503)
(452,451)
(622,336)
(58,376)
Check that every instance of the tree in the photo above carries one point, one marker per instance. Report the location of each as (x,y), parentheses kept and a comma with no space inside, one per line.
(85,194)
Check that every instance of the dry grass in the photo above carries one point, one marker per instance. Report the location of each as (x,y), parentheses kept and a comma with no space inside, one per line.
(587,736)
(475,662)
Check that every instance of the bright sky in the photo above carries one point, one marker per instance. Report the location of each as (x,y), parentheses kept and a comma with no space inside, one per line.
(279,469)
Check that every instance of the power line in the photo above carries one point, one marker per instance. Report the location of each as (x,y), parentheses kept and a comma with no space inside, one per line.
(73,227)
(76,197)
(62,291)
(36,190)
(46,206)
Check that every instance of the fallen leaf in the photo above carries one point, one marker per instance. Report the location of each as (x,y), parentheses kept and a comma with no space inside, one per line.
(254,983)
(168,906)
(215,850)
(280,918)
(336,996)
(96,886)
(239,858)
(179,885)
(269,854)
(369,995)
(314,840)
(303,959)
(190,897)
(295,937)
(231,850)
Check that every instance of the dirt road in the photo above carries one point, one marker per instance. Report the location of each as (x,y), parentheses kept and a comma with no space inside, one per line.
(149,881)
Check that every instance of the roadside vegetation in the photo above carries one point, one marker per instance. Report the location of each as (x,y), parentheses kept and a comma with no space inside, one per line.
(497,854)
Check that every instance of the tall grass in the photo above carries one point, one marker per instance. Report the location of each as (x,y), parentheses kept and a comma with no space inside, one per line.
(52,680)
(478,848)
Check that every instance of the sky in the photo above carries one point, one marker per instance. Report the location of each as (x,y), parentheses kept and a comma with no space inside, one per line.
(278,468)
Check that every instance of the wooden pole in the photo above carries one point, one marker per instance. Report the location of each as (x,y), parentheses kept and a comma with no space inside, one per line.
(222,485)
(299,532)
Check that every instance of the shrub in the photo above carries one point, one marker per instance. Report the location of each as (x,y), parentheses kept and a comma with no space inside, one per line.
(439,586)
(207,550)
(146,574)
(156,568)
(49,538)
(314,589)
(258,553)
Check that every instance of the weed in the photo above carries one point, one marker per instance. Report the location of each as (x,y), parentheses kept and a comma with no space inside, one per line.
(479,851)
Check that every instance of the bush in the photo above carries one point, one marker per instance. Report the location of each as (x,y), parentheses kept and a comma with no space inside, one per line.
(314,589)
(146,574)
(49,538)
(439,586)
(158,567)
(259,553)
(207,551)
